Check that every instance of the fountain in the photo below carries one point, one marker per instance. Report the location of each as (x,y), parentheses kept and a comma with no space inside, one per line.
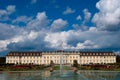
(61,75)
(61,63)
(80,75)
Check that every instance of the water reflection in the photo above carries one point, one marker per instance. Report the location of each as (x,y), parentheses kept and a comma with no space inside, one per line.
(101,75)
(34,75)
(67,75)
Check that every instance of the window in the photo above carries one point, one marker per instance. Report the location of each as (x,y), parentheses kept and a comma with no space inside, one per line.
(96,53)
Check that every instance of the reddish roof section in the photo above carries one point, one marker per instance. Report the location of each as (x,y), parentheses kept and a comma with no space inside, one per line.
(24,54)
(80,53)
(97,54)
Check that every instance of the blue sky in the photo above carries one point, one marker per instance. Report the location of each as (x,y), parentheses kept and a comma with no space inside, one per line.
(54,8)
(37,25)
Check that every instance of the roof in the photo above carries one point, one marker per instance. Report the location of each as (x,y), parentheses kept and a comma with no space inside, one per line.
(24,54)
(97,54)
(58,52)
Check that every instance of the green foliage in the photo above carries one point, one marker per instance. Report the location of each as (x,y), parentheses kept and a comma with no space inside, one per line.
(75,63)
(51,63)
(118,58)
(64,67)
(57,67)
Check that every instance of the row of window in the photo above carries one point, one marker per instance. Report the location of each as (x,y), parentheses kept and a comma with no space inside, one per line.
(45,57)
(45,61)
(57,61)
(96,54)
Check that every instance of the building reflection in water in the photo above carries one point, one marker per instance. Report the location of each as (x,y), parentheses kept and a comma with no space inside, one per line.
(46,75)
(101,75)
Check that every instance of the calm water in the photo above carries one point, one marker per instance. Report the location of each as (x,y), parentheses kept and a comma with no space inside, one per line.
(66,75)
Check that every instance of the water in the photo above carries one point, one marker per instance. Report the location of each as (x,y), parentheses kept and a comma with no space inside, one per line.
(66,75)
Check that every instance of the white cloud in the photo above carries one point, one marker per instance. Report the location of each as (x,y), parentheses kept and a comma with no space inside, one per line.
(4,14)
(24,38)
(88,44)
(73,39)
(36,35)
(81,27)
(10,9)
(23,19)
(41,16)
(3,44)
(68,11)
(54,40)
(32,35)
(58,24)
(7,31)
(40,22)
(108,17)
(78,17)
(33,1)
(21,38)
(87,15)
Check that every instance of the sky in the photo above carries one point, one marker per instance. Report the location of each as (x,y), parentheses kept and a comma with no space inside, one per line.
(49,25)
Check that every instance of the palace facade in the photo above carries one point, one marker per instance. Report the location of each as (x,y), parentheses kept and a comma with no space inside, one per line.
(64,57)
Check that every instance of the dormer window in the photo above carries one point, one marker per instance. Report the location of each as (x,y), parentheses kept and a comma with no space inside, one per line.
(96,53)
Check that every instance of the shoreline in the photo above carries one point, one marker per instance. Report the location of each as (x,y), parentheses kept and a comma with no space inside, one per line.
(66,70)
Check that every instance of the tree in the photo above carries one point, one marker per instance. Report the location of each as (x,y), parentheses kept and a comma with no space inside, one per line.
(75,63)
(51,63)
(75,66)
(51,66)
(118,58)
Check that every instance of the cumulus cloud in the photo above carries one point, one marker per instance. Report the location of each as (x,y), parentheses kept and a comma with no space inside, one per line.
(22,19)
(3,44)
(12,35)
(82,26)
(33,1)
(10,9)
(31,41)
(36,35)
(78,17)
(40,22)
(23,41)
(87,44)
(68,11)
(87,15)
(90,39)
(7,31)
(58,24)
(4,14)
(108,17)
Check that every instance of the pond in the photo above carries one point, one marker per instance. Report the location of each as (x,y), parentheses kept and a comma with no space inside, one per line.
(66,75)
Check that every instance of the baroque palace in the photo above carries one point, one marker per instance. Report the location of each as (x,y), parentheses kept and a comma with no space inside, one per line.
(64,57)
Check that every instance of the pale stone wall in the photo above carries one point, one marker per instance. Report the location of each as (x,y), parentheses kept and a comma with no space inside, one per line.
(67,58)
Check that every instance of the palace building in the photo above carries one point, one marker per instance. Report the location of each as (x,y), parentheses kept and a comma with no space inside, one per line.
(64,57)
